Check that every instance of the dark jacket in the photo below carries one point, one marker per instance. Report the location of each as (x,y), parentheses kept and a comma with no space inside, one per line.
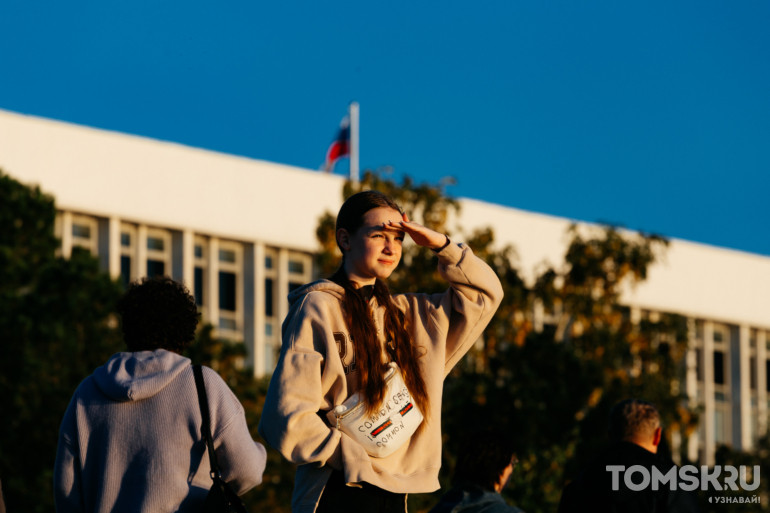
(472,499)
(592,490)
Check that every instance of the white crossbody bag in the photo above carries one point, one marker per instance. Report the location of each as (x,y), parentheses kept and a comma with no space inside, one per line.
(388,427)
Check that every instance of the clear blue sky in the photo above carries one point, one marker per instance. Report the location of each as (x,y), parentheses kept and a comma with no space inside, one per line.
(651,115)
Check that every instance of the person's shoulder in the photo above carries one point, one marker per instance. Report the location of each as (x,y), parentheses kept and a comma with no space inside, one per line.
(501,506)
(318,292)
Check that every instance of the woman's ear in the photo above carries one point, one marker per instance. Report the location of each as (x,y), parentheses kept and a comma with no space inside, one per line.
(343,239)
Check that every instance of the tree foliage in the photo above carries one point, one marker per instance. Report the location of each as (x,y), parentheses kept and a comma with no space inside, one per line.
(57,326)
(561,352)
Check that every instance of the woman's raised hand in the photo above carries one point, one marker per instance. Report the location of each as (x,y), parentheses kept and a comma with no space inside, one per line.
(420,235)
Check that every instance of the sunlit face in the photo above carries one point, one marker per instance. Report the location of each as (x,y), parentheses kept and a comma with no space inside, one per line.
(374,250)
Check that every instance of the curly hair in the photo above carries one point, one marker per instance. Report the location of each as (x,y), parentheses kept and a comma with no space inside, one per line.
(158,313)
(631,418)
(483,455)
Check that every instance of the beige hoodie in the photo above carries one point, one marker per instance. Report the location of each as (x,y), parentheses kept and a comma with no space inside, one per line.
(316,372)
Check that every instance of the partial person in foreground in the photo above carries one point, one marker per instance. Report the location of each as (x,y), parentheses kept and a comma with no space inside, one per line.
(342,336)
(131,437)
(635,434)
(485,463)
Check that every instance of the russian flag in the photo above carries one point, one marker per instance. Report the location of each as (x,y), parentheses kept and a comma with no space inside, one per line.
(340,147)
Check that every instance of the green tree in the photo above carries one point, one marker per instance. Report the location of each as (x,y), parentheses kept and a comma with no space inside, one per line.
(57,326)
(551,378)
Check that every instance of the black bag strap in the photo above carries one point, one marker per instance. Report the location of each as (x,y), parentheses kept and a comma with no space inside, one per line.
(206,425)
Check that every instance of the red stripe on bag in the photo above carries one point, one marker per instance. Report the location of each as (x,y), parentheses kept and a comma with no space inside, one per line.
(406,409)
(382,427)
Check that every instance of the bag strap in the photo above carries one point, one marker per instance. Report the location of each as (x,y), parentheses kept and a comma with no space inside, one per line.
(206,425)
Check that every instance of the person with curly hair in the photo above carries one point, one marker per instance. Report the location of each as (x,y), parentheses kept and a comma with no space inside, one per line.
(131,437)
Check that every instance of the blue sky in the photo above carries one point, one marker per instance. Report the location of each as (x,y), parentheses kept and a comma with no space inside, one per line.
(650,115)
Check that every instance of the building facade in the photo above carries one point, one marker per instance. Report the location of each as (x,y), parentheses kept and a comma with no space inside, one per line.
(241,234)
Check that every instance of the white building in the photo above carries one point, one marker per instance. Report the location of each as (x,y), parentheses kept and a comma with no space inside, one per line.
(241,234)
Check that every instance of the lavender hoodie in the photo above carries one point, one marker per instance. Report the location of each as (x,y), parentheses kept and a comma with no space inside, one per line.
(130,439)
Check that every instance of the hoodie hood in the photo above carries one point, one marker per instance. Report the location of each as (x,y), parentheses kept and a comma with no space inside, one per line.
(139,375)
(327,286)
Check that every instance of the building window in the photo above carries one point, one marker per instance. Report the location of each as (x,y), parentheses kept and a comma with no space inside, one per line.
(84,233)
(722,389)
(127,252)
(125,271)
(156,268)
(299,270)
(198,285)
(296,267)
(230,278)
(81,231)
(227,291)
(158,253)
(200,272)
(719,368)
(227,255)
(271,309)
(156,243)
(271,277)
(767,376)
(269,297)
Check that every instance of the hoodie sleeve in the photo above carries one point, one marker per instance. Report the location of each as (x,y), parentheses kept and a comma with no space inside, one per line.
(290,418)
(241,459)
(457,317)
(66,472)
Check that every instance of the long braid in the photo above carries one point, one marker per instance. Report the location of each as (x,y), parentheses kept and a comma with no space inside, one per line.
(366,346)
(405,353)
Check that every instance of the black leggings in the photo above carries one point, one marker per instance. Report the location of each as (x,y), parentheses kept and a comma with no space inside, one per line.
(339,498)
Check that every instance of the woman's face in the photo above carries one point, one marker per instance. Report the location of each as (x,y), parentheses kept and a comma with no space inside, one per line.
(374,250)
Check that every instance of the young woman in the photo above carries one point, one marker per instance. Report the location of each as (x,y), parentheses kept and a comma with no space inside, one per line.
(338,337)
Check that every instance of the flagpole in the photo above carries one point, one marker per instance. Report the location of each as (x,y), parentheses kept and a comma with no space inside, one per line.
(353,113)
